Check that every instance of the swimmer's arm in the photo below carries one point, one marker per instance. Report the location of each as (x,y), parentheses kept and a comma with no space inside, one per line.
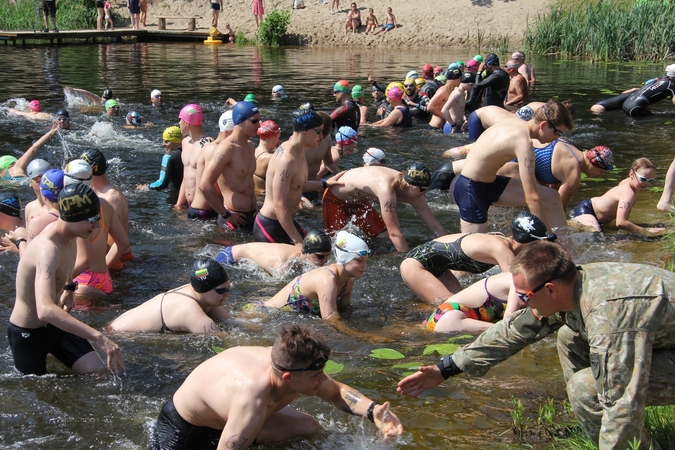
(245,418)
(164,174)
(526,163)
(434,107)
(339,111)
(327,293)
(19,168)
(83,260)
(281,186)
(623,210)
(212,169)
(424,212)
(327,162)
(569,187)
(121,241)
(392,119)
(387,199)
(514,303)
(346,298)
(218,314)
(86,94)
(182,199)
(445,110)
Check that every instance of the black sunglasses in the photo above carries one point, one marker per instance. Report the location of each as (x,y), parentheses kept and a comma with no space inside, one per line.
(527,296)
(556,131)
(221,291)
(320,256)
(316,365)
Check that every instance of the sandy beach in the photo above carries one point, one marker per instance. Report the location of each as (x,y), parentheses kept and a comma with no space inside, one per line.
(420,24)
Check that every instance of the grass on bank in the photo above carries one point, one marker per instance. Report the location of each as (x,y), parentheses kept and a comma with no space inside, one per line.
(605,30)
(274,27)
(19,15)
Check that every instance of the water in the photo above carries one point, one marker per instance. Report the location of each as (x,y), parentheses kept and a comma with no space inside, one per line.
(63,410)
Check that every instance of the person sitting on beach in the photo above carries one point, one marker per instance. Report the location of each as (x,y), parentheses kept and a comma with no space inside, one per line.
(345,144)
(276,258)
(112,108)
(269,134)
(190,124)
(353,19)
(618,201)
(326,291)
(362,185)
(172,165)
(191,308)
(428,268)
(239,397)
(320,160)
(374,157)
(371,21)
(389,24)
(453,109)
(518,92)
(13,169)
(34,112)
(400,115)
(357,95)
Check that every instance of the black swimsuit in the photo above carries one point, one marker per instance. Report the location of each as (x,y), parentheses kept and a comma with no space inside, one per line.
(437,257)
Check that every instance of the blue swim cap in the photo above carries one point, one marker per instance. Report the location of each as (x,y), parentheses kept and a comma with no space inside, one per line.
(242,111)
(345,133)
(51,184)
(453,66)
(306,119)
(10,204)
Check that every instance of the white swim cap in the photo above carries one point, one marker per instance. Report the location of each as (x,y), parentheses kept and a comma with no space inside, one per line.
(155,93)
(412,74)
(373,156)
(225,121)
(278,89)
(670,70)
(77,171)
(348,247)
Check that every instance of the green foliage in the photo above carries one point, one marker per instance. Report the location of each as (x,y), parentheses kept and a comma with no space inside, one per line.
(70,14)
(441,349)
(605,30)
(217,349)
(241,39)
(273,28)
(386,353)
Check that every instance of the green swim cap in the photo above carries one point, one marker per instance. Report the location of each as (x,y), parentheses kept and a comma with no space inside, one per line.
(6,161)
(110,103)
(357,91)
(250,98)
(460,62)
(478,58)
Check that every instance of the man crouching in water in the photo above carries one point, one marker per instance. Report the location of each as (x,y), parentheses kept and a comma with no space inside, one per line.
(239,397)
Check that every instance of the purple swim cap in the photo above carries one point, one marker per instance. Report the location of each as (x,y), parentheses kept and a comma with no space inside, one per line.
(191,114)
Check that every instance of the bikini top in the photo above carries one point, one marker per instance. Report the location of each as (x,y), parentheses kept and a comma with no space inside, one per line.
(300,303)
(164,328)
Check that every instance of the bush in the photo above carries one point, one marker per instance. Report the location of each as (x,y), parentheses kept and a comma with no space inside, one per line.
(241,39)
(70,14)
(273,28)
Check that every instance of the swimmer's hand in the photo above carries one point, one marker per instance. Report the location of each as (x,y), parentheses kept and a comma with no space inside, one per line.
(334,181)
(113,352)
(7,245)
(371,78)
(237,219)
(143,187)
(654,231)
(425,378)
(389,425)
(67,301)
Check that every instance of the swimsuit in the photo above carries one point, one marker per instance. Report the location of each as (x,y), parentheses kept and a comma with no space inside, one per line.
(476,127)
(202,214)
(544,158)
(348,115)
(438,257)
(336,214)
(585,207)
(171,171)
(250,220)
(215,6)
(172,432)
(637,103)
(225,257)
(491,311)
(442,177)
(100,281)
(164,328)
(270,230)
(299,303)
(388,26)
(473,198)
(30,347)
(134,7)
(406,122)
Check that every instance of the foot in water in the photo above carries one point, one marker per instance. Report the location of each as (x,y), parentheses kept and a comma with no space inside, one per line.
(666,207)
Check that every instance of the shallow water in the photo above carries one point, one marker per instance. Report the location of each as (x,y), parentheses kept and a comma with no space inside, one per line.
(63,410)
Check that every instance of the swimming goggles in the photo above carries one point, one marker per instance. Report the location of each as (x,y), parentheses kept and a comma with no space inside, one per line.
(556,131)
(221,291)
(643,179)
(551,237)
(358,252)
(318,364)
(94,219)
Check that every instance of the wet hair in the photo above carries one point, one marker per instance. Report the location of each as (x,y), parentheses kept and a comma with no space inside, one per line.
(642,163)
(542,261)
(298,345)
(570,106)
(327,123)
(557,112)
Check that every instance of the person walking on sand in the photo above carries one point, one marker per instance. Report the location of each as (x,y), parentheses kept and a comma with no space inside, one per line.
(216,6)
(134,11)
(334,6)
(100,5)
(258,11)
(389,24)
(107,7)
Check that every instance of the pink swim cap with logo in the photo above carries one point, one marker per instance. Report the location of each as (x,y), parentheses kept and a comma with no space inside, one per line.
(191,114)
(35,106)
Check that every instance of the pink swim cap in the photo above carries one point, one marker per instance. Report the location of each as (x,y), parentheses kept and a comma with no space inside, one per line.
(396,93)
(35,106)
(191,114)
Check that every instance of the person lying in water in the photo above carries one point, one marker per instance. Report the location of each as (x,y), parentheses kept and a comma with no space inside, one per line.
(34,112)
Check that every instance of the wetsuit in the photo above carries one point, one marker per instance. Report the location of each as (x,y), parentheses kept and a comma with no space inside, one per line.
(637,103)
(429,89)
(175,433)
(348,114)
(407,117)
(438,257)
(417,110)
(171,171)
(496,86)
(442,177)
(475,97)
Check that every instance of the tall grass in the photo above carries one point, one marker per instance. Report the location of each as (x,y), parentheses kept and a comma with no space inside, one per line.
(273,28)
(70,14)
(605,30)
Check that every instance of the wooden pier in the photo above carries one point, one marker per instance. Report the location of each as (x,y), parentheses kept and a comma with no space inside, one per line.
(94,36)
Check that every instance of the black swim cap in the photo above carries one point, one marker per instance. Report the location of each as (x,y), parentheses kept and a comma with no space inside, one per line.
(206,275)
(307,105)
(78,202)
(10,204)
(468,77)
(492,60)
(417,174)
(453,74)
(527,227)
(63,113)
(316,241)
(96,160)
(107,94)
(304,119)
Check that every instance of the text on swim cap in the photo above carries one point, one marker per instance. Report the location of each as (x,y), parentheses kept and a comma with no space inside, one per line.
(412,173)
(79,200)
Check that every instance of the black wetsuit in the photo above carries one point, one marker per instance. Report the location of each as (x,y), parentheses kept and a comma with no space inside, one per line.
(348,114)
(496,86)
(429,89)
(171,171)
(637,103)
(417,110)
(407,117)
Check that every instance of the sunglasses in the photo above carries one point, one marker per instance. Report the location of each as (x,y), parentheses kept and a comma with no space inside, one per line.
(63,119)
(527,296)
(221,291)
(316,365)
(37,179)
(336,92)
(317,131)
(94,219)
(643,179)
(556,131)
(321,256)
(409,85)
(254,120)
(114,107)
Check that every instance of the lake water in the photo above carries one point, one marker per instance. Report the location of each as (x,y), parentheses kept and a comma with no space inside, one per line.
(63,410)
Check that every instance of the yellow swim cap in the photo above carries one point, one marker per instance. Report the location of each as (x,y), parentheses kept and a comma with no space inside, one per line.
(420,82)
(391,85)
(173,134)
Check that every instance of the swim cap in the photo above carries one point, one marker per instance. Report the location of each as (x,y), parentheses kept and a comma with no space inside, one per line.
(427,70)
(395,93)
(452,74)
(601,156)
(37,167)
(304,120)
(442,79)
(412,74)
(78,202)
(408,81)
(191,114)
(478,59)
(173,134)
(438,69)
(155,93)
(357,91)
(392,85)
(420,82)
(316,241)
(134,118)
(670,70)
(527,227)
(373,156)
(268,129)
(63,113)
(342,86)
(460,63)
(51,184)
(417,174)
(491,60)
(77,171)
(472,64)
(6,161)
(206,275)
(346,135)
(96,160)
(35,106)
(307,105)
(225,122)
(110,103)
(242,111)
(10,204)
(468,77)
(525,113)
(453,66)
(107,94)
(278,89)
(250,98)
(348,247)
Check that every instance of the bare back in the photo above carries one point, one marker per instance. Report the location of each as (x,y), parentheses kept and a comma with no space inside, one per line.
(286,176)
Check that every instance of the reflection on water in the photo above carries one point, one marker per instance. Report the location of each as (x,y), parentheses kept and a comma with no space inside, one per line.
(106,411)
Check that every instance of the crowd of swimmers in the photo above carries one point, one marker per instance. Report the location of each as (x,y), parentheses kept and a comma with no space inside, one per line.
(79,221)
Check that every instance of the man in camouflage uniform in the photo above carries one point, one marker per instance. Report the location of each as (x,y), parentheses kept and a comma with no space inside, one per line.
(616,339)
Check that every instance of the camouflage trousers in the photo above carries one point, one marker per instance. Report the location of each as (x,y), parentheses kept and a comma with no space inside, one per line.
(582,388)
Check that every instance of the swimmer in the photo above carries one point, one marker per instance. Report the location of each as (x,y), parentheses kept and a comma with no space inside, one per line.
(400,115)
(319,160)
(363,185)
(618,201)
(231,36)
(495,84)
(345,144)
(51,183)
(326,291)
(92,98)
(348,113)
(453,109)
(156,98)
(63,119)
(226,126)
(518,92)
(278,92)
(666,201)
(40,322)
(13,169)
(269,134)
(172,165)
(428,268)
(191,308)
(134,120)
(374,157)
(525,69)
(190,123)
(639,102)
(112,108)
(34,112)
(357,95)
(440,97)
(412,98)
(276,258)
(36,169)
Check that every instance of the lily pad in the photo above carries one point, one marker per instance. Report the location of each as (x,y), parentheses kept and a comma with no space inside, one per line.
(579,93)
(463,337)
(386,353)
(217,349)
(608,92)
(332,367)
(668,122)
(408,365)
(441,349)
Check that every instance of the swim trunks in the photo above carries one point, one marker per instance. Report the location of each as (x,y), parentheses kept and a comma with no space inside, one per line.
(336,214)
(172,432)
(201,214)
(100,4)
(438,257)
(476,127)
(250,220)
(49,7)
(614,103)
(225,257)
(473,198)
(100,281)
(270,230)
(442,177)
(585,207)
(388,26)
(215,6)
(30,347)
(314,197)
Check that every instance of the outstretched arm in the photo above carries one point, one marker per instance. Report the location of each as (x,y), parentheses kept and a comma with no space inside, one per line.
(19,168)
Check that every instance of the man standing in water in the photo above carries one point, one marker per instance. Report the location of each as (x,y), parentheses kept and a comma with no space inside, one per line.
(616,339)
(40,323)
(240,397)
(190,123)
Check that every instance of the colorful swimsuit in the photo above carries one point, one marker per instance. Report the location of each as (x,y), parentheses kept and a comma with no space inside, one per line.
(544,158)
(437,257)
(299,303)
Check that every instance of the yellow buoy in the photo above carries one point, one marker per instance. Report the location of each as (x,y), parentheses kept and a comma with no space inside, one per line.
(212,41)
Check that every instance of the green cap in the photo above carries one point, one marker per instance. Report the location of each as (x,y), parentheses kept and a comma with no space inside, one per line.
(478,58)
(460,62)
(6,161)
(110,103)
(250,98)
(357,91)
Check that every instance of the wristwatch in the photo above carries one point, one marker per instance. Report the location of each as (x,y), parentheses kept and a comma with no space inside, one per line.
(70,286)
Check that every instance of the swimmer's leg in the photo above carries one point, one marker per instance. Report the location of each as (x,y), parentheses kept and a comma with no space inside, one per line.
(588,220)
(453,321)
(90,363)
(427,287)
(666,201)
(549,199)
(287,423)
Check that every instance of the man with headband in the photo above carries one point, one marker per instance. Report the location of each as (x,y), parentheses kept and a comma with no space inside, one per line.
(348,113)
(363,185)
(232,165)
(40,323)
(190,123)
(172,165)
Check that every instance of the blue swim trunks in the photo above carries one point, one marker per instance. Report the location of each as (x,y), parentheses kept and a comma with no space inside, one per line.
(473,198)
(585,207)
(475,126)
(225,257)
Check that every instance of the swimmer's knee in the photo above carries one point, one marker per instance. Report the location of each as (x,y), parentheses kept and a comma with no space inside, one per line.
(89,363)
(597,108)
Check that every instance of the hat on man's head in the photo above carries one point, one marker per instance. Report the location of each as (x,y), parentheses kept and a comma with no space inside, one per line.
(51,184)
(192,114)
(78,202)
(472,64)
(206,275)
(10,204)
(417,174)
(278,89)
(460,63)
(492,60)
(468,77)
(427,70)
(37,167)
(250,98)
(670,70)
(342,86)
(77,171)
(107,94)
(242,111)
(525,113)
(35,106)
(316,241)
(441,79)
(307,105)
(268,129)
(478,59)
(395,93)
(453,66)
(601,157)
(306,119)
(346,135)
(438,69)
(134,118)
(173,134)
(96,160)
(111,103)
(155,93)
(357,91)
(453,74)
(63,113)
(373,156)
(527,227)
(225,122)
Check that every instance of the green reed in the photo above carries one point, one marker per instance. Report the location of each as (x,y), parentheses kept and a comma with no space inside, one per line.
(273,28)
(605,30)
(70,15)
